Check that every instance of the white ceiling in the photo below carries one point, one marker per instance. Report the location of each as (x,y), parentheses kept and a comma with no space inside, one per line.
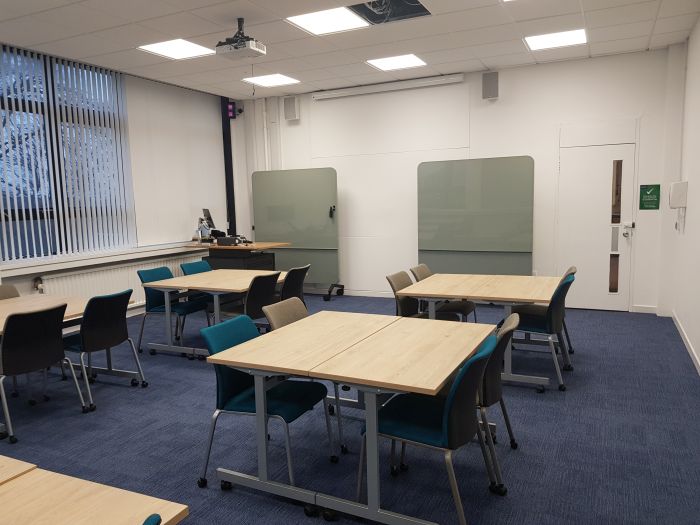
(460,36)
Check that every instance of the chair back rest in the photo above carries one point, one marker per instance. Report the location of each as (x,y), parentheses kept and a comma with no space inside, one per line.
(405,306)
(104,322)
(491,390)
(153,519)
(285,312)
(459,421)
(32,341)
(222,336)
(293,285)
(571,271)
(421,272)
(154,298)
(261,293)
(8,291)
(191,268)
(557,306)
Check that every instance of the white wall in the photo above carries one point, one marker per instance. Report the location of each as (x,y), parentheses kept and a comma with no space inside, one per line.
(177,161)
(684,261)
(376,142)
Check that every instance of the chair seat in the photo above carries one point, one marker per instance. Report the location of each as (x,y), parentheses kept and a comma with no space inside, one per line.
(458,307)
(536,310)
(414,417)
(288,400)
(182,308)
(72,342)
(441,316)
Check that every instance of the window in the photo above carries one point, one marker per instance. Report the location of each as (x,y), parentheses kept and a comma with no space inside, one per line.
(65,187)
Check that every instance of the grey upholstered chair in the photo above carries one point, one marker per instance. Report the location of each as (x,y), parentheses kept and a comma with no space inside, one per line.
(462,308)
(409,306)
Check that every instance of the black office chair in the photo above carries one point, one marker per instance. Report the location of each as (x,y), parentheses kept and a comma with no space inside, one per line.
(409,306)
(462,308)
(32,342)
(293,285)
(261,293)
(104,327)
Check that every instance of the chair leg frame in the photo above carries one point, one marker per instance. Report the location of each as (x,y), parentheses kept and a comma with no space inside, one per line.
(86,380)
(329,430)
(454,487)
(513,443)
(212,428)
(137,360)
(69,363)
(6,410)
(339,419)
(143,324)
(552,347)
(492,449)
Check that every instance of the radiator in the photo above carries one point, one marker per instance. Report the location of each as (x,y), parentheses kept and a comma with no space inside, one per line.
(113,278)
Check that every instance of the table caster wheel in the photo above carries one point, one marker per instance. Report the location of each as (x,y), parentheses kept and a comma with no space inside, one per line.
(144,384)
(311,510)
(92,407)
(568,368)
(202,483)
(344,449)
(331,410)
(540,389)
(152,351)
(562,388)
(226,485)
(13,439)
(335,459)
(134,382)
(500,490)
(329,515)
(86,409)
(340,291)
(513,444)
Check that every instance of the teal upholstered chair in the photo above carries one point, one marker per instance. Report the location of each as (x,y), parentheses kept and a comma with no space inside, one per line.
(445,423)
(155,302)
(551,325)
(192,268)
(153,519)
(203,266)
(235,392)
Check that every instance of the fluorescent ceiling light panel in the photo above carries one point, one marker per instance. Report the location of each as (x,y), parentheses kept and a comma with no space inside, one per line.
(552,40)
(178,49)
(398,62)
(271,80)
(329,21)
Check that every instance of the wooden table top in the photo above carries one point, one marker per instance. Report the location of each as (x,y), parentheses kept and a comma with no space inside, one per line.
(297,348)
(41,497)
(31,303)
(233,281)
(409,355)
(10,468)
(498,288)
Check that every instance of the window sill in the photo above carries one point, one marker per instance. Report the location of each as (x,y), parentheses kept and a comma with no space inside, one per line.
(42,266)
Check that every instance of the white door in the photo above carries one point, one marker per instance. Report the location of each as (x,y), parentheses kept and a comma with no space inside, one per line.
(595,223)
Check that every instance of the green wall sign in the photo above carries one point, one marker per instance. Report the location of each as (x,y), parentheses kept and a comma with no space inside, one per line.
(649,196)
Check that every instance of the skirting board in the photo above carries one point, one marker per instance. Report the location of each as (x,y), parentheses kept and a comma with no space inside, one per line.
(643,309)
(689,346)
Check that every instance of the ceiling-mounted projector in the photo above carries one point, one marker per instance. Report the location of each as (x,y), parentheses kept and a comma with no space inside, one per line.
(240,46)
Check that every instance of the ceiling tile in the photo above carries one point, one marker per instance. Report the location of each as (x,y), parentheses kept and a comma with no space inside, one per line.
(77,19)
(619,46)
(448,55)
(418,46)
(503,61)
(499,48)
(314,74)
(133,10)
(336,58)
(620,32)
(667,39)
(676,23)
(678,7)
(311,45)
(351,70)
(371,78)
(531,9)
(419,72)
(622,15)
(277,31)
(78,47)
(226,14)
(589,5)
(562,53)
(174,68)
(284,9)
(183,25)
(336,83)
(463,66)
(14,8)
(26,31)
(122,60)
(487,35)
(553,24)
(288,65)
(131,36)
(184,5)
(447,6)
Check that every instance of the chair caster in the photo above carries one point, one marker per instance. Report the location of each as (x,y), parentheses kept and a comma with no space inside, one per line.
(64,378)
(329,515)
(331,410)
(92,407)
(3,435)
(134,382)
(344,449)
(86,409)
(226,485)
(31,402)
(140,350)
(202,483)
(190,357)
(513,444)
(183,354)
(568,368)
(499,490)
(13,439)
(562,387)
(152,351)
(403,467)
(334,459)
(144,384)
(394,471)
(311,510)
(493,438)
(201,357)
(46,398)
(540,389)
(91,380)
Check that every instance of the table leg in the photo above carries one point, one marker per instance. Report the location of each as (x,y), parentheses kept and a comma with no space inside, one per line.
(261,425)
(170,347)
(217,308)
(508,374)
(168,318)
(432,307)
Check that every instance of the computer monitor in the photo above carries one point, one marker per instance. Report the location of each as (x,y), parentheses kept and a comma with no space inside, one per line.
(207,218)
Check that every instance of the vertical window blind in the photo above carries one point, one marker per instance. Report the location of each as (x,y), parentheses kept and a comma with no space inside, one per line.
(65,186)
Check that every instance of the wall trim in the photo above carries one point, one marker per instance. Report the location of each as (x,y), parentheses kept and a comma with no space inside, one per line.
(643,309)
(694,356)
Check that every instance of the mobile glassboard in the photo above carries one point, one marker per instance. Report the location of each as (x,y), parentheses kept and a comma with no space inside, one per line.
(475,215)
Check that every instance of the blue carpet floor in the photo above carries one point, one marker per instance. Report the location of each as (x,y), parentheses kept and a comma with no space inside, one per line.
(619,446)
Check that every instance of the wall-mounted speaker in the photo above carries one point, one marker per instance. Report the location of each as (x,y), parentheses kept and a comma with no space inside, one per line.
(489,85)
(291,108)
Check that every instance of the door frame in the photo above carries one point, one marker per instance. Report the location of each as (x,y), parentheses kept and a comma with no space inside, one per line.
(585,134)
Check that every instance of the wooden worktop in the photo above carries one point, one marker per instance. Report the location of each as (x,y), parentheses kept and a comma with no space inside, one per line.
(252,247)
(31,303)
(229,281)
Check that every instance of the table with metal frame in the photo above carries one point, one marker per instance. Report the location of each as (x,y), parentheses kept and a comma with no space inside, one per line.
(375,354)
(215,283)
(505,290)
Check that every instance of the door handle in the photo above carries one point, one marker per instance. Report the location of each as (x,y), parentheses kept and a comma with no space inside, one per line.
(331,211)
(628,228)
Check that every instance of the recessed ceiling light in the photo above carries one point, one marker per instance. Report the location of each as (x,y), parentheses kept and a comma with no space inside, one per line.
(329,21)
(178,49)
(271,80)
(551,40)
(398,62)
